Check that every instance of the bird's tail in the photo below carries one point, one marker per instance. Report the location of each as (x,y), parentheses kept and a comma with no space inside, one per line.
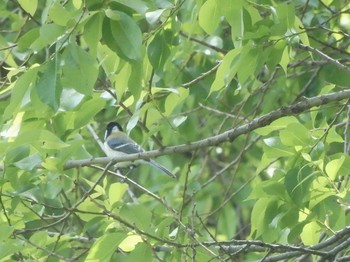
(162,168)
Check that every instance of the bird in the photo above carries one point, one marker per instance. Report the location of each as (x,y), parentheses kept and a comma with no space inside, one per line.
(118,144)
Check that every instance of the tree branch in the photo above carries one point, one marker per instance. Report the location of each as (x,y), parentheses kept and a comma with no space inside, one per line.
(326,57)
(229,135)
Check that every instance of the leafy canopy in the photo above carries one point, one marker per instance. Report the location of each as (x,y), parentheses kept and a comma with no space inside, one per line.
(251,95)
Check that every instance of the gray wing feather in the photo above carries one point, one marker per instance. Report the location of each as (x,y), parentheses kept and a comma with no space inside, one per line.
(130,147)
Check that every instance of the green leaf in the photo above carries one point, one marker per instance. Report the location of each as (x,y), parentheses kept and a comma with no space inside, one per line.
(158,51)
(49,34)
(130,242)
(50,140)
(48,87)
(257,220)
(270,222)
(297,183)
(111,63)
(331,212)
(88,109)
(137,5)
(59,15)
(39,238)
(286,16)
(332,168)
(104,247)
(52,164)
(116,192)
(29,6)
(79,70)
(300,29)
(290,218)
(227,70)
(209,16)
(275,149)
(233,12)
(41,138)
(16,154)
(26,40)
(142,252)
(332,74)
(174,99)
(331,137)
(137,214)
(135,80)
(295,134)
(20,88)
(134,119)
(29,162)
(93,32)
(121,34)
(10,247)
(6,231)
(311,233)
(345,167)
(274,188)
(285,59)
(248,61)
(227,222)
(278,124)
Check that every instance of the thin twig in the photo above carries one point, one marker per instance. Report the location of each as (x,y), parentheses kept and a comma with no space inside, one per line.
(326,57)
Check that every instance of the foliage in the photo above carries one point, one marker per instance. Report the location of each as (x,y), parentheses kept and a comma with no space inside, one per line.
(175,73)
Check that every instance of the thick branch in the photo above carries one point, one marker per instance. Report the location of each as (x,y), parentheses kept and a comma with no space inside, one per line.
(229,135)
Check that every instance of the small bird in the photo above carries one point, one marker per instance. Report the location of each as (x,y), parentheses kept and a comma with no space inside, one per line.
(117,144)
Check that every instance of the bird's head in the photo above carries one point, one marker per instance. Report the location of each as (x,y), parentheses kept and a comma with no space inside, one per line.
(112,127)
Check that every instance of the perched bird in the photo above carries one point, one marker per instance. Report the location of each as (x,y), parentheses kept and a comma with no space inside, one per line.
(117,144)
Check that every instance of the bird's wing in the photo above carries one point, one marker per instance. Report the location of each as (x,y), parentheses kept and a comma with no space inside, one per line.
(125,146)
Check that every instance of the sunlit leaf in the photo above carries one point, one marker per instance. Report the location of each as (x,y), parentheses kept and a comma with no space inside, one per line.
(278,124)
(174,100)
(10,247)
(227,70)
(311,233)
(116,192)
(130,242)
(209,16)
(29,6)
(21,87)
(104,247)
(59,14)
